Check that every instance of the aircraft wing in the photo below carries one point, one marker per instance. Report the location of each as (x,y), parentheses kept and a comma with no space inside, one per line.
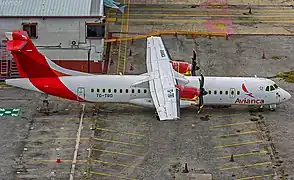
(162,80)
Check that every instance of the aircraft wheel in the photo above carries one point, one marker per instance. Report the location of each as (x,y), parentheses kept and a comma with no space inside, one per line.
(260,109)
(272,107)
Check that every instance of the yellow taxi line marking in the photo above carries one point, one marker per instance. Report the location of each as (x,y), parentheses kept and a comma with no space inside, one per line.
(115,152)
(117,164)
(229,10)
(233,124)
(115,131)
(118,142)
(238,144)
(255,177)
(236,134)
(52,160)
(109,175)
(240,155)
(246,166)
(202,21)
(208,15)
(83,161)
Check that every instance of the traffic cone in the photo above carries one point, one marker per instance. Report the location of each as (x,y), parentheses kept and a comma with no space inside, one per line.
(58,159)
(232,158)
(263,56)
(130,52)
(131,67)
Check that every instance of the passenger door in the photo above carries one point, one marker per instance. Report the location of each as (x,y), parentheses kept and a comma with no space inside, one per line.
(232,93)
(81,94)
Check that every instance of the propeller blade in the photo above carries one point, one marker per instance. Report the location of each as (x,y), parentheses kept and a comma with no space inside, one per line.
(194,55)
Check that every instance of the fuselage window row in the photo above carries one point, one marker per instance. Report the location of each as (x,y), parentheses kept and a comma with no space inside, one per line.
(221,92)
(120,90)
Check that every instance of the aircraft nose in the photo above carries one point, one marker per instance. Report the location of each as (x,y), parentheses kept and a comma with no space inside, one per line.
(286,96)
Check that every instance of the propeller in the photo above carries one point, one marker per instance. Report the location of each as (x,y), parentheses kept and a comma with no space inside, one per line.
(202,93)
(194,64)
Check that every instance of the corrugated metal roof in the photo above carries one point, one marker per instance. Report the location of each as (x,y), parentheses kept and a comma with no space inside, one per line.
(51,8)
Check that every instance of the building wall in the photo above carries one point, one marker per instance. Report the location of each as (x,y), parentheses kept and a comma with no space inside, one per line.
(53,31)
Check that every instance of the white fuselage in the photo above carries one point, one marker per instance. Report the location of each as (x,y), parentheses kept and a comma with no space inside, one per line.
(118,88)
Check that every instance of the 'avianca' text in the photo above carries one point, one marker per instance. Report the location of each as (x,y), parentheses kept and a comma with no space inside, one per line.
(249,101)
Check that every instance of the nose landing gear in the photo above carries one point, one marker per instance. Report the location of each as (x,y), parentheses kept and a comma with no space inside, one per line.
(272,107)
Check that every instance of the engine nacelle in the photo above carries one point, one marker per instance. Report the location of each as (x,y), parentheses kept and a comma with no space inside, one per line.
(188,93)
(182,67)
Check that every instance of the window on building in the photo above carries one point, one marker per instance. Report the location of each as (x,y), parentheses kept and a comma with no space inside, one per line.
(215,92)
(220,92)
(103,90)
(238,92)
(95,30)
(138,90)
(109,90)
(114,90)
(98,90)
(145,90)
(227,92)
(127,91)
(92,90)
(31,29)
(120,91)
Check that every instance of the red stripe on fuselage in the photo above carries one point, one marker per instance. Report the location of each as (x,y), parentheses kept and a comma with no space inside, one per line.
(55,87)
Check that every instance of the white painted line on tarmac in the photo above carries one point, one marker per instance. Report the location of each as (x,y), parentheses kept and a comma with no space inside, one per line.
(72,171)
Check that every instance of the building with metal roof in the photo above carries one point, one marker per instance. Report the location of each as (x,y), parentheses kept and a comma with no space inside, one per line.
(51,8)
(70,32)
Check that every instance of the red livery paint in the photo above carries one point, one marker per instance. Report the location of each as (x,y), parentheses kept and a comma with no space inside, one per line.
(249,101)
(33,65)
(245,90)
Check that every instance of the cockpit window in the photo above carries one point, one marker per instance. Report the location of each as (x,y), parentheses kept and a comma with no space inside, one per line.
(272,88)
(267,88)
(276,86)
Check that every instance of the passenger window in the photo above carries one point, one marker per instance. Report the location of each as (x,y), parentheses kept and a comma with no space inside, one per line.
(272,88)
(227,92)
(133,90)
(103,90)
(98,90)
(109,90)
(215,92)
(232,92)
(221,92)
(92,90)
(138,90)
(120,91)
(145,90)
(209,92)
(127,91)
(238,92)
(267,88)
(114,90)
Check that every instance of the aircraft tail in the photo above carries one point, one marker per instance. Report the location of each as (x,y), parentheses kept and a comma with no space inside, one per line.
(30,62)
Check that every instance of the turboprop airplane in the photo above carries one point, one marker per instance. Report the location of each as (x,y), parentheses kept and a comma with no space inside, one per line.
(161,87)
